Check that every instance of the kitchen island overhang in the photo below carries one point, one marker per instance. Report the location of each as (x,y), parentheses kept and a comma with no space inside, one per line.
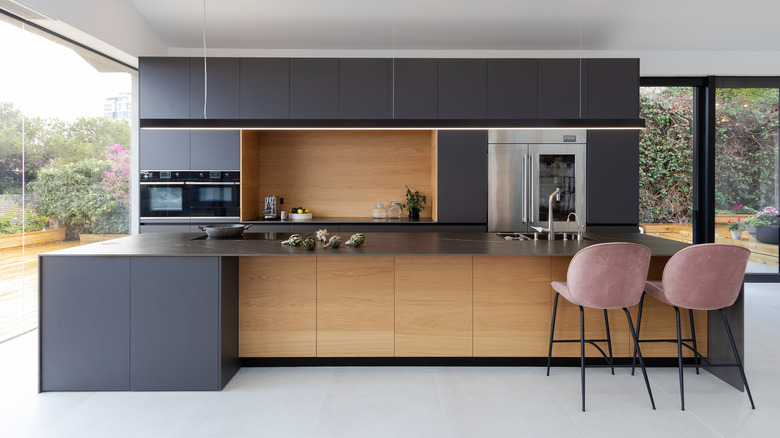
(400,299)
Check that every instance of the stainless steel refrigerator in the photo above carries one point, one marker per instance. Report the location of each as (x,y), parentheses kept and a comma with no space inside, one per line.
(525,168)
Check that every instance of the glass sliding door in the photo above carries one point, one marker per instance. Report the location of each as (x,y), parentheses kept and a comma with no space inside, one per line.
(746,173)
(666,162)
(65,150)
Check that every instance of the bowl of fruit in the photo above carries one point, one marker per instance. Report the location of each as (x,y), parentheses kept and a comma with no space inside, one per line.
(300,214)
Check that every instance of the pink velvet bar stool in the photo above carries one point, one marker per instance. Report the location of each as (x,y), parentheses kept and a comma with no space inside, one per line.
(707,276)
(603,276)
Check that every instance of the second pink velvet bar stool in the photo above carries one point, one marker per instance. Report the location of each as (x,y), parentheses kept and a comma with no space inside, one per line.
(701,277)
(603,276)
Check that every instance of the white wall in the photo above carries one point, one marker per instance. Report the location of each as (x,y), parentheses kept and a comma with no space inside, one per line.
(652,63)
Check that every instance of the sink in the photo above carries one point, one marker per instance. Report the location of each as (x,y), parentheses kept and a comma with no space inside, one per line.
(514,236)
(540,236)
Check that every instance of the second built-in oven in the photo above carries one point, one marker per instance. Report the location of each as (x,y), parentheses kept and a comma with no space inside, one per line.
(214,195)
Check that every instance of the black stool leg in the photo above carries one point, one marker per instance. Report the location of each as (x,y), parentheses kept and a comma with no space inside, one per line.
(680,358)
(638,326)
(693,340)
(582,355)
(639,354)
(736,356)
(552,331)
(609,341)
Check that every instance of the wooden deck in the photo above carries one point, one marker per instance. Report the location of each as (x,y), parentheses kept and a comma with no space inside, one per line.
(761,253)
(19,287)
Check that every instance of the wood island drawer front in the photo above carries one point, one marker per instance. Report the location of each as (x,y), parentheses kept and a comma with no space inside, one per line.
(277,309)
(511,306)
(355,306)
(433,306)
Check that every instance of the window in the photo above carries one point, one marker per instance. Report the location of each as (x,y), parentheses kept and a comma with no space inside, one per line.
(64,159)
(746,173)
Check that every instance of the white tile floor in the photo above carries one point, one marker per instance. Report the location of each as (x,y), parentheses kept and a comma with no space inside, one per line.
(411,402)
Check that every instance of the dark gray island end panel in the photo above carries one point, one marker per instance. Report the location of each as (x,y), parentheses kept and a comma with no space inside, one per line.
(174,320)
(84,323)
(229,361)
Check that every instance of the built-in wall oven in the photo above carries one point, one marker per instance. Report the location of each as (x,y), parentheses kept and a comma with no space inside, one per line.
(164,195)
(182,196)
(525,168)
(214,196)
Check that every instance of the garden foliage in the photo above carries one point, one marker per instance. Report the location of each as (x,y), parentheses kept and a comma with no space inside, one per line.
(746,152)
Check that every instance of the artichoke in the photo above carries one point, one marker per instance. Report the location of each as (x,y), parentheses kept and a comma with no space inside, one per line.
(322,235)
(334,241)
(356,240)
(294,240)
(309,243)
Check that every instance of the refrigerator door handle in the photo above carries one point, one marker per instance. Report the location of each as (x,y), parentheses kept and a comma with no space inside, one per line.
(525,188)
(531,178)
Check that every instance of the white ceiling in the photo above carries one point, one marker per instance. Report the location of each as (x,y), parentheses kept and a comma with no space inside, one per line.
(670,37)
(611,25)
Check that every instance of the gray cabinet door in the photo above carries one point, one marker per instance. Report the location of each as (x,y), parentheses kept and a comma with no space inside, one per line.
(512,88)
(613,88)
(462,88)
(222,88)
(175,324)
(314,88)
(85,323)
(613,178)
(164,88)
(265,88)
(164,150)
(364,88)
(215,150)
(560,88)
(414,88)
(462,177)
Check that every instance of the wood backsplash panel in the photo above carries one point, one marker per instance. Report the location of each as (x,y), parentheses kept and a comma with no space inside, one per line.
(345,173)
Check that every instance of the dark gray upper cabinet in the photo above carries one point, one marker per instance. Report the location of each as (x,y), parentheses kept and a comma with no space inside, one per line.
(512,88)
(85,323)
(265,88)
(613,178)
(561,91)
(613,88)
(462,177)
(164,88)
(215,150)
(222,100)
(164,150)
(364,88)
(414,89)
(314,88)
(174,324)
(462,88)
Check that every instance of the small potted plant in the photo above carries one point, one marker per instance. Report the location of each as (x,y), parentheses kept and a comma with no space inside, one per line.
(414,202)
(736,228)
(767,225)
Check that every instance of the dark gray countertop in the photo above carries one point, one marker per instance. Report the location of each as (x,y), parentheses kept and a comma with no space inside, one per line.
(404,219)
(392,244)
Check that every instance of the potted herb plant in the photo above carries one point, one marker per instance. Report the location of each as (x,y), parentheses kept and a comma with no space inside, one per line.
(414,202)
(736,228)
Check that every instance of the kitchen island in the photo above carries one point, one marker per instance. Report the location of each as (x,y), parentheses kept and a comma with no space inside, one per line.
(184,312)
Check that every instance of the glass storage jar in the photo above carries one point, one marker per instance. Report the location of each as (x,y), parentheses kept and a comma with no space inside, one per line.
(380,212)
(394,210)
